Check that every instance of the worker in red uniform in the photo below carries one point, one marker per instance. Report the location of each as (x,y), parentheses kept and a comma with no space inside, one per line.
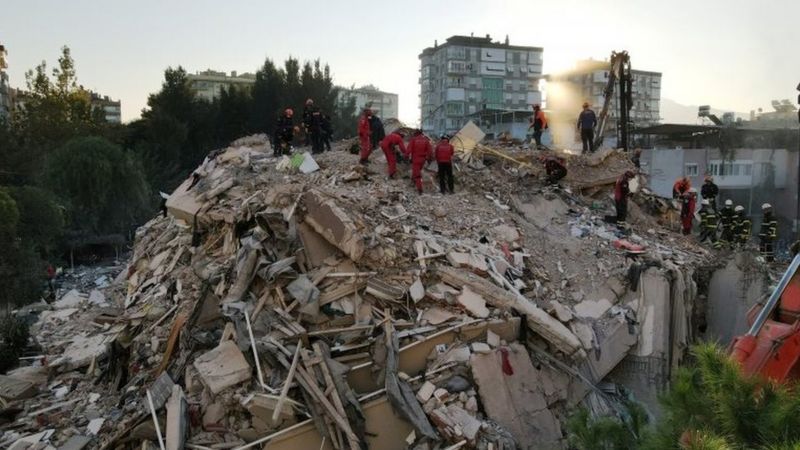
(420,151)
(688,204)
(554,167)
(388,145)
(444,159)
(364,134)
(681,186)
(621,191)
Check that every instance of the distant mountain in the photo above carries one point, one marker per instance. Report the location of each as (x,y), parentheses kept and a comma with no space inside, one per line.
(674,112)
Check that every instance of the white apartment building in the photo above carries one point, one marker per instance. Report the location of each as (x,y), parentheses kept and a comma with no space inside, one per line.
(209,84)
(383,104)
(5,90)
(469,76)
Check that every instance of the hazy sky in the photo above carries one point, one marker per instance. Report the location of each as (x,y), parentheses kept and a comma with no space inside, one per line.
(732,54)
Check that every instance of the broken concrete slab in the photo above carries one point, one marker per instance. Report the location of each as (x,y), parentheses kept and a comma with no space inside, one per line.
(455,423)
(417,290)
(82,351)
(473,303)
(183,204)
(511,395)
(223,367)
(72,299)
(334,224)
(425,391)
(506,233)
(76,442)
(177,426)
(592,309)
(435,315)
(469,261)
(615,340)
(316,248)
(16,389)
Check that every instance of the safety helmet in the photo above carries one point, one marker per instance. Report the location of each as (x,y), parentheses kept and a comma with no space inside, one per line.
(705,202)
(693,190)
(585,104)
(288,112)
(309,102)
(739,208)
(444,136)
(766,206)
(729,202)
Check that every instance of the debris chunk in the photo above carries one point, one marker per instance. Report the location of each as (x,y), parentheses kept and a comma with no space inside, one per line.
(223,367)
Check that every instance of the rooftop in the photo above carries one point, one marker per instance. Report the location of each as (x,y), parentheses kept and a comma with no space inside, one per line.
(481,42)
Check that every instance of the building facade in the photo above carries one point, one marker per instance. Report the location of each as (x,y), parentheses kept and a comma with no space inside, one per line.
(112,109)
(209,84)
(5,89)
(587,83)
(383,104)
(466,75)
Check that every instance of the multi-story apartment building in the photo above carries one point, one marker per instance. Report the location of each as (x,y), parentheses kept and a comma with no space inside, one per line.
(383,104)
(209,83)
(467,75)
(112,110)
(5,90)
(587,83)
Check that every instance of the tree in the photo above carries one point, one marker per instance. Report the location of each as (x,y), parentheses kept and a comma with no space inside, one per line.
(267,98)
(41,219)
(103,188)
(21,271)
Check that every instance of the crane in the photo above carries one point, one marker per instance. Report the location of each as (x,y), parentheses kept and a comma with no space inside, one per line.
(620,71)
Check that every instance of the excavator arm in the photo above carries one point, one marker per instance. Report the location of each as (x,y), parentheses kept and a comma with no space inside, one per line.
(619,71)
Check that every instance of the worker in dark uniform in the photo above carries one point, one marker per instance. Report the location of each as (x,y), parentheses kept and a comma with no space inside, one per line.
(621,192)
(708,224)
(315,132)
(726,216)
(377,132)
(284,133)
(587,120)
(636,158)
(709,191)
(538,123)
(327,131)
(555,168)
(308,111)
(741,226)
(768,233)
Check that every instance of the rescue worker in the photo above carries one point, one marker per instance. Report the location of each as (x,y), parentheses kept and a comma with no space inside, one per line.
(681,186)
(315,131)
(621,192)
(554,166)
(377,132)
(726,217)
(327,131)
(388,145)
(308,110)
(768,233)
(741,226)
(444,160)
(708,224)
(636,158)
(419,151)
(709,191)
(284,133)
(688,205)
(538,123)
(364,134)
(587,120)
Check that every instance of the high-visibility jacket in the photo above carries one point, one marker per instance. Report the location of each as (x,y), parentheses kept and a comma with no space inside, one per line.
(708,218)
(769,227)
(742,228)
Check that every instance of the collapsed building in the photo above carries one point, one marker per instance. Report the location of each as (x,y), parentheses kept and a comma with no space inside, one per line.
(312,303)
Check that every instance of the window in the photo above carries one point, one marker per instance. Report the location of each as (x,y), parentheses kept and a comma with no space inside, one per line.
(691,170)
(515,58)
(455,109)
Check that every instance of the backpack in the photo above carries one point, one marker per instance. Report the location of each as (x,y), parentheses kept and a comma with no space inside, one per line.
(376,126)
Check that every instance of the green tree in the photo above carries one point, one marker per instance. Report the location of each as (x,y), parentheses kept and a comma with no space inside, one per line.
(21,271)
(103,187)
(41,218)
(267,97)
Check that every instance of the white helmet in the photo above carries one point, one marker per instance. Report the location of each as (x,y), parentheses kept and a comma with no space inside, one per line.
(694,190)
(728,202)
(705,202)
(739,208)
(766,206)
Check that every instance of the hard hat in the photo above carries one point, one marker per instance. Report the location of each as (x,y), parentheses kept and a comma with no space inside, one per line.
(288,112)
(693,190)
(729,202)
(444,136)
(585,104)
(766,206)
(309,102)
(739,208)
(705,202)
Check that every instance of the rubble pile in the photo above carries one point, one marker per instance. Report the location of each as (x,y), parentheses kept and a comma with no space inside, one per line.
(315,304)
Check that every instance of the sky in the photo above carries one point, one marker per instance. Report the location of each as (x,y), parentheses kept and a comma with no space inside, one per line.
(732,54)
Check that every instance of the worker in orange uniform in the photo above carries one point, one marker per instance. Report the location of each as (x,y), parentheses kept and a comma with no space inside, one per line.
(364,134)
(444,159)
(681,186)
(420,151)
(388,145)
(538,123)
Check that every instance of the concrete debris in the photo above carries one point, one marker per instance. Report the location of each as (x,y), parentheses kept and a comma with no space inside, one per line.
(308,303)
